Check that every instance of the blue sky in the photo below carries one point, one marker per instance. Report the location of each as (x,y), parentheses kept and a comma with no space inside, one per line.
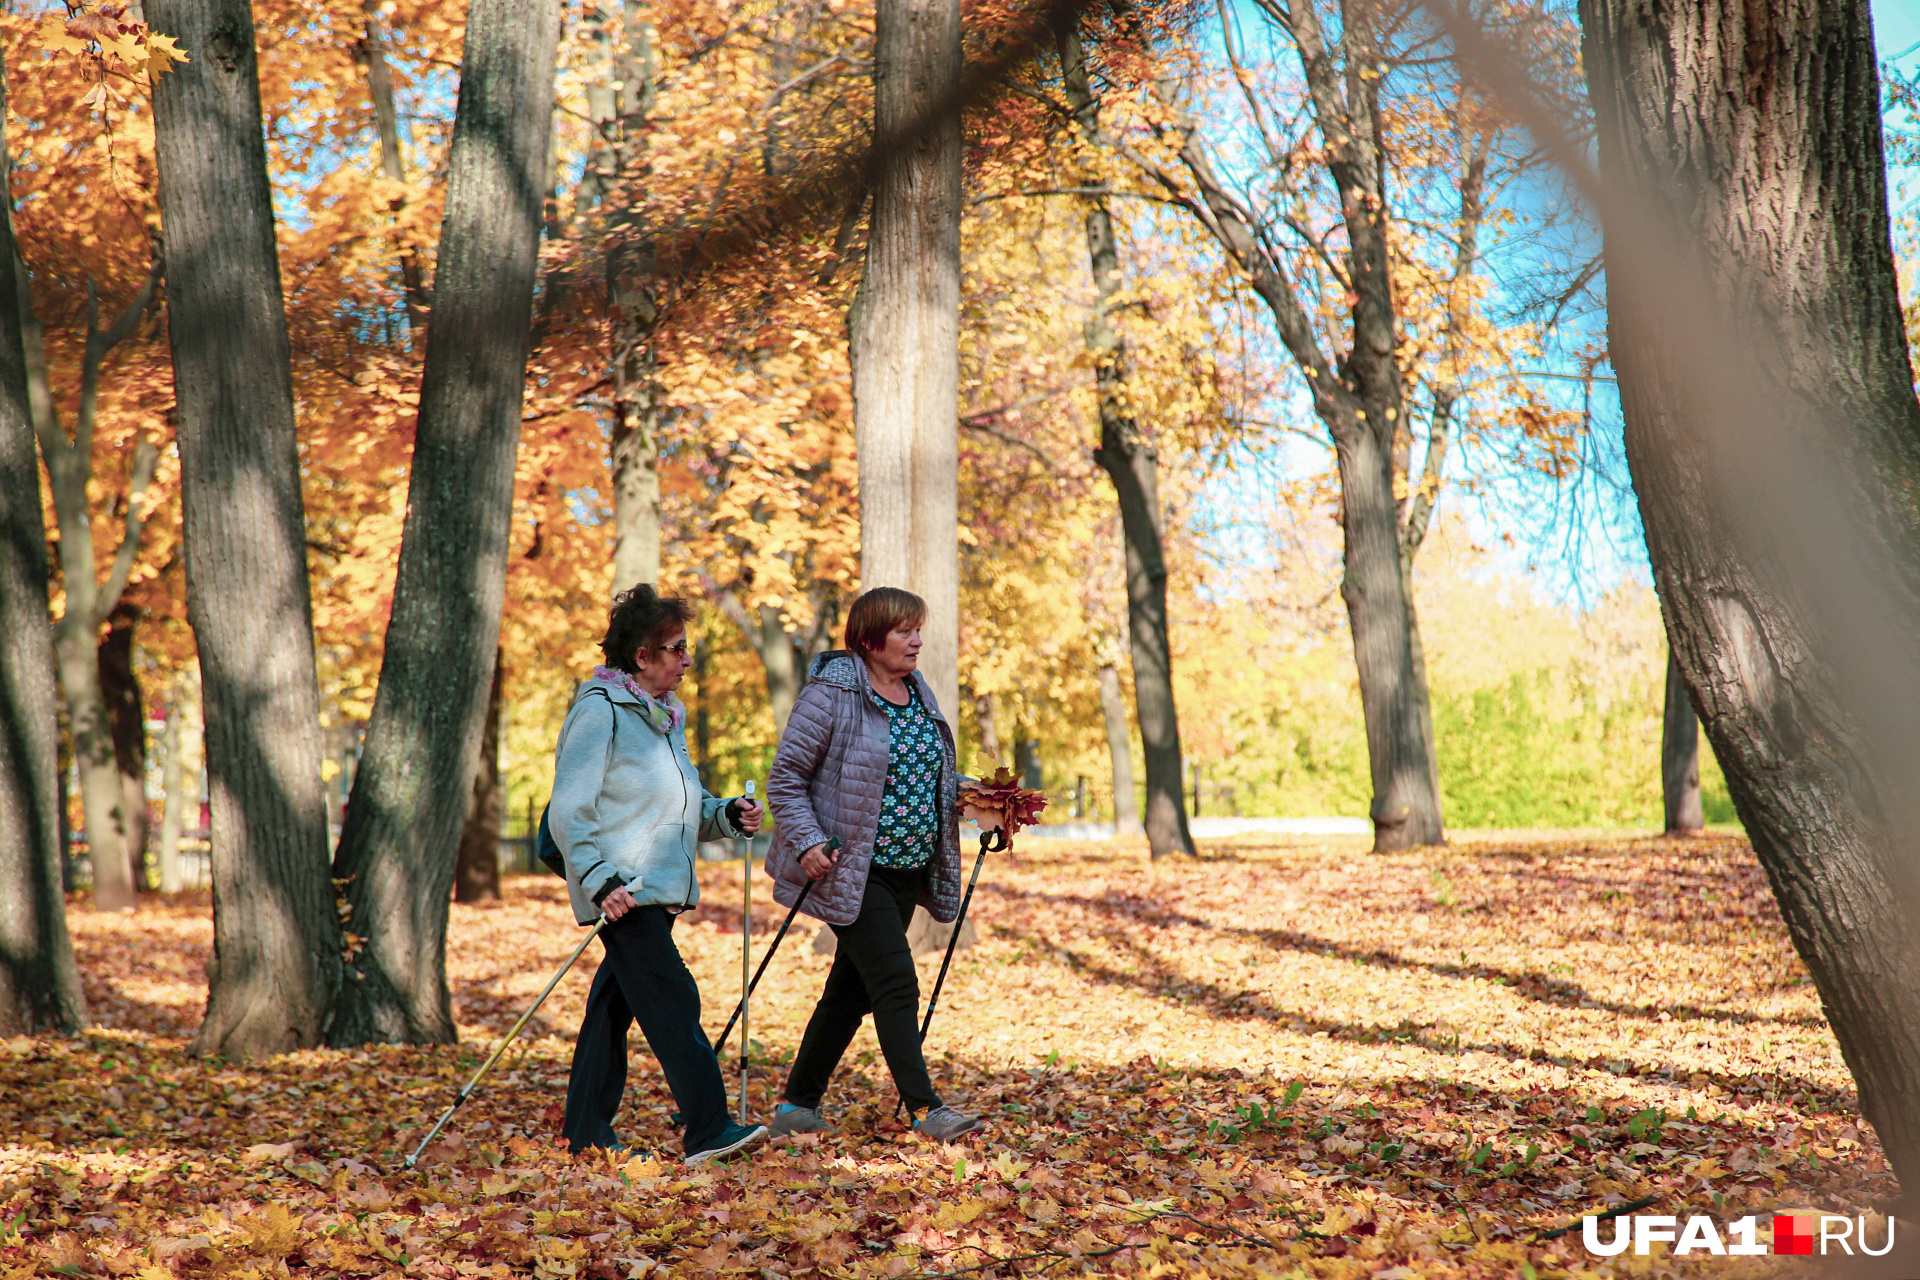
(1574,543)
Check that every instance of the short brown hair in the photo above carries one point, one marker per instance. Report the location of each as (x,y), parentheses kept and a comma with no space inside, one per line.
(641,619)
(879,611)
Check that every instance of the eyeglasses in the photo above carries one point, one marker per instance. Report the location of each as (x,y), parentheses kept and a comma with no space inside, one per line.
(679,650)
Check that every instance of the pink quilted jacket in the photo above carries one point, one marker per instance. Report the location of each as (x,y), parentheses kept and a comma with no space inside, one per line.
(827,780)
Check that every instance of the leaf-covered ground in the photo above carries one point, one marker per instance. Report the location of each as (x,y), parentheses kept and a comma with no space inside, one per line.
(1276,1059)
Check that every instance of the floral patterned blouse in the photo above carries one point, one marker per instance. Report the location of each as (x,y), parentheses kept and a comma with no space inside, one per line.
(909,829)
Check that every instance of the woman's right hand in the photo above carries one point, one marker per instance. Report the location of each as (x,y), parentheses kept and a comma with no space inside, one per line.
(817,861)
(617,904)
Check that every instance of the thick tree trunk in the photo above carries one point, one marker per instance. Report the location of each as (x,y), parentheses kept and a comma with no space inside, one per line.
(127,716)
(1774,439)
(1680,756)
(1113,710)
(174,779)
(905,329)
(1132,463)
(39,982)
(476,872)
(415,780)
(276,932)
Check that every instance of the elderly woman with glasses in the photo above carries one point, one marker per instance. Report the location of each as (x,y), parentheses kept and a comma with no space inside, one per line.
(868,758)
(627,810)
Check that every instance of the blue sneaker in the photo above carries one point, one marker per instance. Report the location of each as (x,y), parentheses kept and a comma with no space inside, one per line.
(735,1137)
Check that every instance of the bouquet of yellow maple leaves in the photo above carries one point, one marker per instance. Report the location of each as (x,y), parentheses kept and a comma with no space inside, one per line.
(1000,801)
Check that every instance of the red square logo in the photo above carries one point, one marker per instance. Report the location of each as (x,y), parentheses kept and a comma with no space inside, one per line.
(1792,1235)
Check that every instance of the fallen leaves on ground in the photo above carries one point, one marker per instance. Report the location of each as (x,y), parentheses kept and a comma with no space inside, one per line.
(1274,1059)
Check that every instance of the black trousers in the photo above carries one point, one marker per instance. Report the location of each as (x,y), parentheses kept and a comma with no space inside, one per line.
(643,977)
(872,973)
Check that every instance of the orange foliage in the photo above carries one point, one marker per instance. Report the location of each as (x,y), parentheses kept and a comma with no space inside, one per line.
(1437,1059)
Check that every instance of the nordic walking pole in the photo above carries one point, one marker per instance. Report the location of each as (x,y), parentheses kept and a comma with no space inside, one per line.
(792,911)
(987,845)
(506,1040)
(746,955)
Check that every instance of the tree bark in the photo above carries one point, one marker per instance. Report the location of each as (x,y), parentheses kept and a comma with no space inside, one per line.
(127,719)
(39,982)
(476,873)
(905,329)
(1129,458)
(412,791)
(1113,710)
(1680,756)
(1774,440)
(276,930)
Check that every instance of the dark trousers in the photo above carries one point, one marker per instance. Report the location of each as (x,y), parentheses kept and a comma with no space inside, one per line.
(872,973)
(643,977)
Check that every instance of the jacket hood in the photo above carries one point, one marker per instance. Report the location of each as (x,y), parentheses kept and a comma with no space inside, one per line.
(837,667)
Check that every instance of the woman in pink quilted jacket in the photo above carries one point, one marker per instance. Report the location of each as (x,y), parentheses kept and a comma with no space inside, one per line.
(868,757)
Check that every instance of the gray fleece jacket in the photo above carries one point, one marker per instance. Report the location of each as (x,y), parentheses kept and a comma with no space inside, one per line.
(628,805)
(827,780)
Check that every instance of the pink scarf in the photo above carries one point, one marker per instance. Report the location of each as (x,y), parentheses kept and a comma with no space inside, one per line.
(665,714)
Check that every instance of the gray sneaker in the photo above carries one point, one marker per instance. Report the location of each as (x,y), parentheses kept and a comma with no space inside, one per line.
(944,1124)
(790,1120)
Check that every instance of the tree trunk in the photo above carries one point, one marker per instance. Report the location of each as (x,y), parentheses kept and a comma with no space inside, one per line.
(702,716)
(109,817)
(39,982)
(1132,463)
(1680,756)
(989,730)
(774,644)
(1774,440)
(905,329)
(127,716)
(1406,804)
(102,803)
(619,107)
(1113,710)
(1361,394)
(276,933)
(393,162)
(415,781)
(174,779)
(476,872)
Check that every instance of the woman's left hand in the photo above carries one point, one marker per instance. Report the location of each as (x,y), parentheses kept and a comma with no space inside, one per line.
(750,814)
